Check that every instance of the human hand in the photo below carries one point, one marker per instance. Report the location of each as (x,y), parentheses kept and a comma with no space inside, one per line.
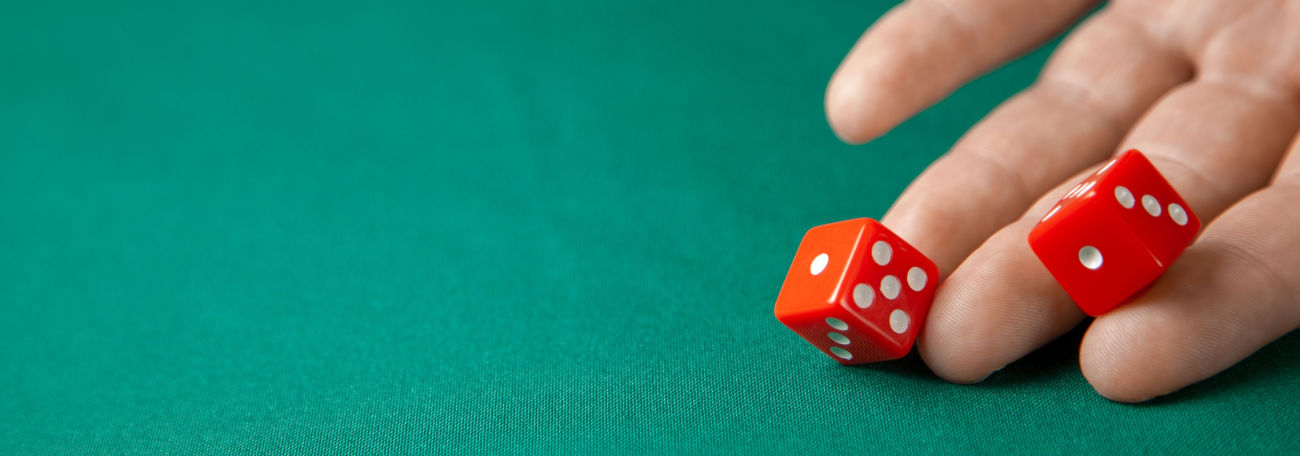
(1209,91)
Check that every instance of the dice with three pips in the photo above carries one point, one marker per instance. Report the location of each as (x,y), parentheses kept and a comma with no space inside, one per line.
(1113,234)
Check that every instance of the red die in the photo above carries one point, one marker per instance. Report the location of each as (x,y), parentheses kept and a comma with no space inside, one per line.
(1114,233)
(857,291)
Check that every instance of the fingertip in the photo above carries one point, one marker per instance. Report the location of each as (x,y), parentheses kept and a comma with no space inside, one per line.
(1112,383)
(943,365)
(846,111)
(1105,377)
(995,308)
(952,344)
(1117,365)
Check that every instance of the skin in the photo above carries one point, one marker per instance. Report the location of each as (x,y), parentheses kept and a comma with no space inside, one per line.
(1209,91)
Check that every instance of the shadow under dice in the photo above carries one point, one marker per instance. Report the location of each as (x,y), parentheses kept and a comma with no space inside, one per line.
(1114,233)
(857,291)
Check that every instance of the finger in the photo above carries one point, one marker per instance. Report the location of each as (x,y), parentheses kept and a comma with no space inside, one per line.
(1235,289)
(999,305)
(1096,85)
(1215,142)
(1002,304)
(1230,294)
(923,49)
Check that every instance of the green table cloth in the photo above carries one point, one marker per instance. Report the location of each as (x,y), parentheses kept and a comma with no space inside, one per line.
(483,227)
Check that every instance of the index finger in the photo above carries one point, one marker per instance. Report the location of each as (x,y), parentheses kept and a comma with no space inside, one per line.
(923,49)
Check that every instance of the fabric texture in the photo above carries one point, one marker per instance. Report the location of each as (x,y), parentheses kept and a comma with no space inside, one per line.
(483,228)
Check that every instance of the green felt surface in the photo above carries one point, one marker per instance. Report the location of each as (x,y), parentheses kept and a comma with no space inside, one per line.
(482,227)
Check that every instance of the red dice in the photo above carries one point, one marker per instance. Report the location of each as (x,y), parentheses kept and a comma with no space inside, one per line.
(1114,233)
(857,291)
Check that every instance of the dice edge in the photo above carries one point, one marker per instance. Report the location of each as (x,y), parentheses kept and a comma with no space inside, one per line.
(794,264)
(1041,235)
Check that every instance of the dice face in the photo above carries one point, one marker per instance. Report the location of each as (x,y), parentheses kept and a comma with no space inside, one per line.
(857,291)
(1114,233)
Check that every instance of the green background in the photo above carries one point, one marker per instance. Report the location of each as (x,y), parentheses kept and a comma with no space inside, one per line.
(482,227)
